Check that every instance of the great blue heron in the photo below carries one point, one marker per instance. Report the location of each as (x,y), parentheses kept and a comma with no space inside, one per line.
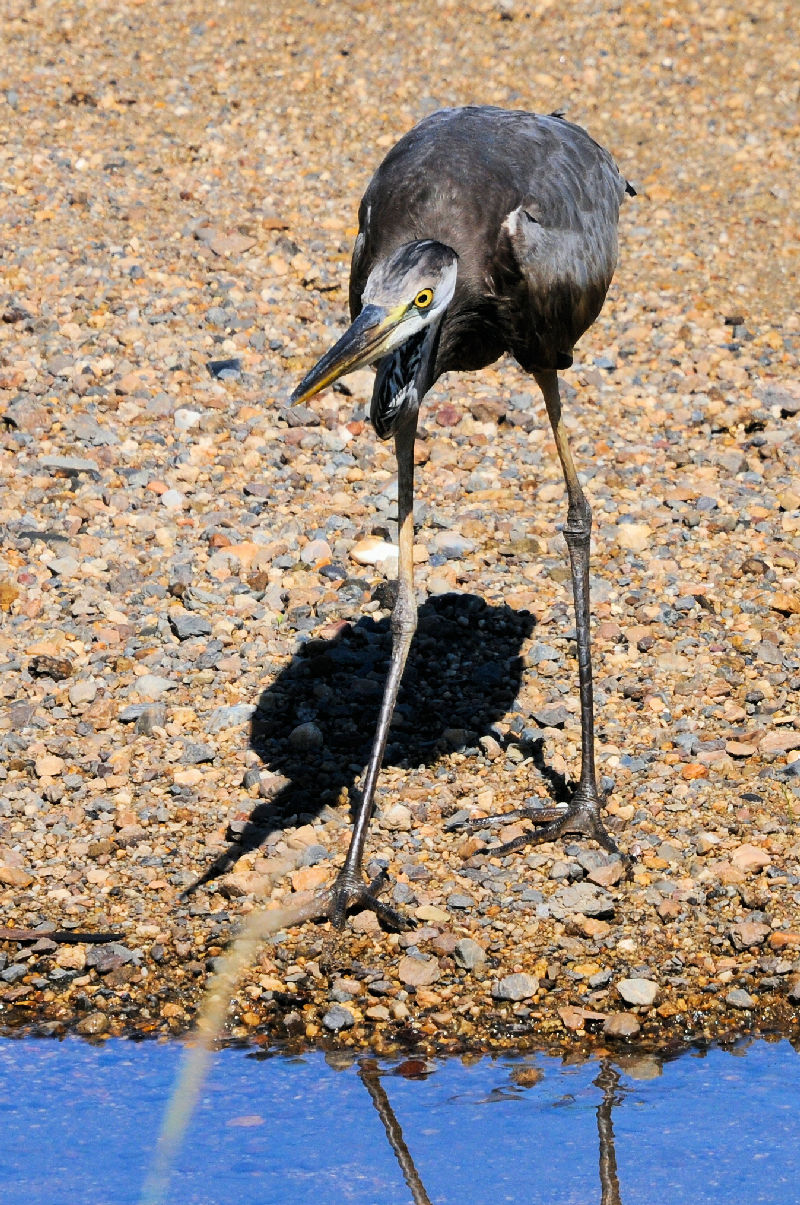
(483,231)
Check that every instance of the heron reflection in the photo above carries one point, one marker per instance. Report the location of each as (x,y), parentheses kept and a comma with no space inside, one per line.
(607,1080)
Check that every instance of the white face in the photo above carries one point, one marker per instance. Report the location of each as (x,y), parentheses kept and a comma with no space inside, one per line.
(405,294)
(418,317)
(417,283)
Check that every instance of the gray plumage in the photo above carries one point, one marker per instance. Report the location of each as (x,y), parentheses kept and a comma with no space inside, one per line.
(482,232)
(529,204)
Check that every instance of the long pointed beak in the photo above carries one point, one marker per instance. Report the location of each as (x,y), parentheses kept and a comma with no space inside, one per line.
(366,341)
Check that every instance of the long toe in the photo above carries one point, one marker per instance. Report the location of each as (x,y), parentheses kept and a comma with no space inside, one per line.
(350,894)
(576,820)
(538,815)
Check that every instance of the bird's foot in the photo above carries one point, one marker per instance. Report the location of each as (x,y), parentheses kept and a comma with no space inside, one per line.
(580,817)
(351,894)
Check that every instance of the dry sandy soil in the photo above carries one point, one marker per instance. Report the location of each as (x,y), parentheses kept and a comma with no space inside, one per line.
(190,654)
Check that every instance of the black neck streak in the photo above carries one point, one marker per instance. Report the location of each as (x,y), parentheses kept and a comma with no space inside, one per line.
(400,384)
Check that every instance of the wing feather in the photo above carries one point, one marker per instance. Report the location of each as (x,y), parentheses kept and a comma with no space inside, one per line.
(529,285)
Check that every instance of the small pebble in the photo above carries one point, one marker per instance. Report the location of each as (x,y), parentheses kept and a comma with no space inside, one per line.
(396,818)
(337,1018)
(622,1025)
(738,998)
(152,686)
(468,954)
(515,987)
(418,971)
(306,737)
(186,625)
(642,992)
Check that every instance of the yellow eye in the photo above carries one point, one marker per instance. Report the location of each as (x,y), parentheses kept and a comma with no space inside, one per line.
(423,299)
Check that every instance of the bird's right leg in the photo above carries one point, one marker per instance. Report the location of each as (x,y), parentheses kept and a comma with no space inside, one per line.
(350,891)
(583,814)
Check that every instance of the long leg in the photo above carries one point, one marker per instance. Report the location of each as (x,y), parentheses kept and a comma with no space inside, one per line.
(583,813)
(350,890)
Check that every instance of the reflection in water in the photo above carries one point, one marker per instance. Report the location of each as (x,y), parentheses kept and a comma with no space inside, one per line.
(607,1081)
(370,1077)
(79,1123)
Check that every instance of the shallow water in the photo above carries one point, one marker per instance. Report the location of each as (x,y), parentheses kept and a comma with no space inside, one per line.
(78,1125)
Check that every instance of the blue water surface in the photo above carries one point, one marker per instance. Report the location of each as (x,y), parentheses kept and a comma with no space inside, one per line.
(79,1123)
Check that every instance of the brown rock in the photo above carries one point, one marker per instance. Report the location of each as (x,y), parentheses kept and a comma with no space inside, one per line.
(779,742)
(692,770)
(56,668)
(48,765)
(448,416)
(131,382)
(397,818)
(749,933)
(172,1011)
(622,1025)
(636,537)
(587,926)
(432,914)
(365,922)
(607,876)
(750,858)
(247,882)
(309,877)
(230,244)
(15,876)
(740,748)
(443,943)
(783,938)
(668,909)
(378,1012)
(418,972)
(575,1018)
(353,987)
(9,593)
(71,958)
(487,410)
(727,873)
(92,1024)
(786,603)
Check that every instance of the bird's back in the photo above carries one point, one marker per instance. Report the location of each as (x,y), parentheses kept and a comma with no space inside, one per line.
(529,284)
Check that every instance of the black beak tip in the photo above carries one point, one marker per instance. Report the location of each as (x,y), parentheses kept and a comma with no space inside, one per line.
(296,395)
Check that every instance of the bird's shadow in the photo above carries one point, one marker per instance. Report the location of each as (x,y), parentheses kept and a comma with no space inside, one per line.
(463,674)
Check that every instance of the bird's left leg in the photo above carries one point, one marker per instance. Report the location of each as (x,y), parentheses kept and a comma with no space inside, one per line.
(350,891)
(583,813)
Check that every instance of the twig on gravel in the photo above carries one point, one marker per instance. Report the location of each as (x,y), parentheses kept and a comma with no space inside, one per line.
(63,936)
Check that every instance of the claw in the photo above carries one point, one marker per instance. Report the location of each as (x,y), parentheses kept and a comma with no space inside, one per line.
(582,817)
(350,894)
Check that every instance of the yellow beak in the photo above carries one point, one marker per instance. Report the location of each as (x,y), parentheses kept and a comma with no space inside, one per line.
(366,341)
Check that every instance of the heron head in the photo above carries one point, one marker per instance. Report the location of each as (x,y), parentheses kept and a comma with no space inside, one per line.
(406,294)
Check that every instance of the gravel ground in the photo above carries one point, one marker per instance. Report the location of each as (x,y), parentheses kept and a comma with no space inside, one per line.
(193,628)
